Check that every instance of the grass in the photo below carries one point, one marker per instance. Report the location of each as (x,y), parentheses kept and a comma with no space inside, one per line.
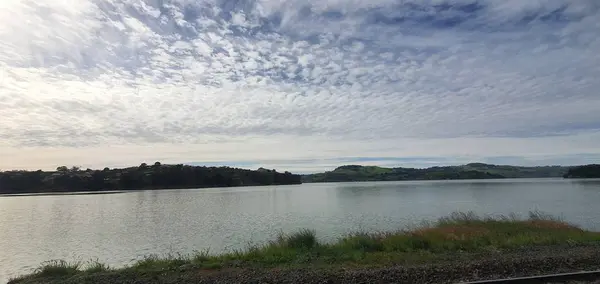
(456,233)
(61,269)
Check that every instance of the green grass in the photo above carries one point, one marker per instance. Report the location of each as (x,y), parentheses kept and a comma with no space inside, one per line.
(61,269)
(456,233)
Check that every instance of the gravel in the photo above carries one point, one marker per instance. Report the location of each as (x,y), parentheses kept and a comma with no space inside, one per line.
(462,268)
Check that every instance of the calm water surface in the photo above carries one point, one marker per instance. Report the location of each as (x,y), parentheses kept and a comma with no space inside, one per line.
(119,228)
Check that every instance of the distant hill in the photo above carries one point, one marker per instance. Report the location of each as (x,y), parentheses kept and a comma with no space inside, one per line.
(587,171)
(518,172)
(468,171)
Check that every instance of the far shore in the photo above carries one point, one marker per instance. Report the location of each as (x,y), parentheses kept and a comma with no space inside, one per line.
(117,191)
(62,193)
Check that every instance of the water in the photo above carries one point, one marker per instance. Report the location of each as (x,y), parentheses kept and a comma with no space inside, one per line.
(119,228)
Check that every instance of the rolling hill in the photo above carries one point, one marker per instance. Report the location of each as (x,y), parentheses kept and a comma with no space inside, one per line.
(468,171)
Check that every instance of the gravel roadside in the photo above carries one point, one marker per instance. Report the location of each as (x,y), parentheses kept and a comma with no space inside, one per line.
(516,263)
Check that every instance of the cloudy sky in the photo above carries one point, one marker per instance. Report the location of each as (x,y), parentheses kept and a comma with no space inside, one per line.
(300,85)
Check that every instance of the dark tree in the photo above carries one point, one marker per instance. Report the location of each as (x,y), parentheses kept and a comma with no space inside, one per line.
(587,171)
(158,176)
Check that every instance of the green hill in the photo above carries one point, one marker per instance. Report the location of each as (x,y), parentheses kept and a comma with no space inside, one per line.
(518,172)
(468,171)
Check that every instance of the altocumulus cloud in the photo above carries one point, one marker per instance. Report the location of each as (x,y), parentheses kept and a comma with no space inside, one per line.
(298,84)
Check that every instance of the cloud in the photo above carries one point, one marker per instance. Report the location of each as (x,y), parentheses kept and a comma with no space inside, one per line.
(262,80)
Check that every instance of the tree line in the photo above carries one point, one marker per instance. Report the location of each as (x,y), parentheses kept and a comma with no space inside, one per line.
(586,171)
(156,176)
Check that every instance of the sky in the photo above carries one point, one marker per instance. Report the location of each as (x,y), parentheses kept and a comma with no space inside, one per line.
(298,85)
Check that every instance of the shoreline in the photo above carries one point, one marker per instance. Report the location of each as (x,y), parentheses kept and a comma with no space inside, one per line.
(450,268)
(115,191)
(462,245)
(125,190)
(62,193)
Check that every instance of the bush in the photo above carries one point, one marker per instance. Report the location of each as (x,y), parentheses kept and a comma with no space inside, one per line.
(56,268)
(303,239)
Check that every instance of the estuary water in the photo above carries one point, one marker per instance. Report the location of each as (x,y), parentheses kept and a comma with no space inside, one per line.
(119,228)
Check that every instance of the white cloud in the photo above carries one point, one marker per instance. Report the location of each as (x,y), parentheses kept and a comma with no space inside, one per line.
(120,82)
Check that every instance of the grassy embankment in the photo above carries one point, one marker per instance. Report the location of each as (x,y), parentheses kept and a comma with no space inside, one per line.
(459,233)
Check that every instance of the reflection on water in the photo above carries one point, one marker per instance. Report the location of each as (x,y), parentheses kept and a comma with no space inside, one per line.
(591,184)
(60,193)
(117,228)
